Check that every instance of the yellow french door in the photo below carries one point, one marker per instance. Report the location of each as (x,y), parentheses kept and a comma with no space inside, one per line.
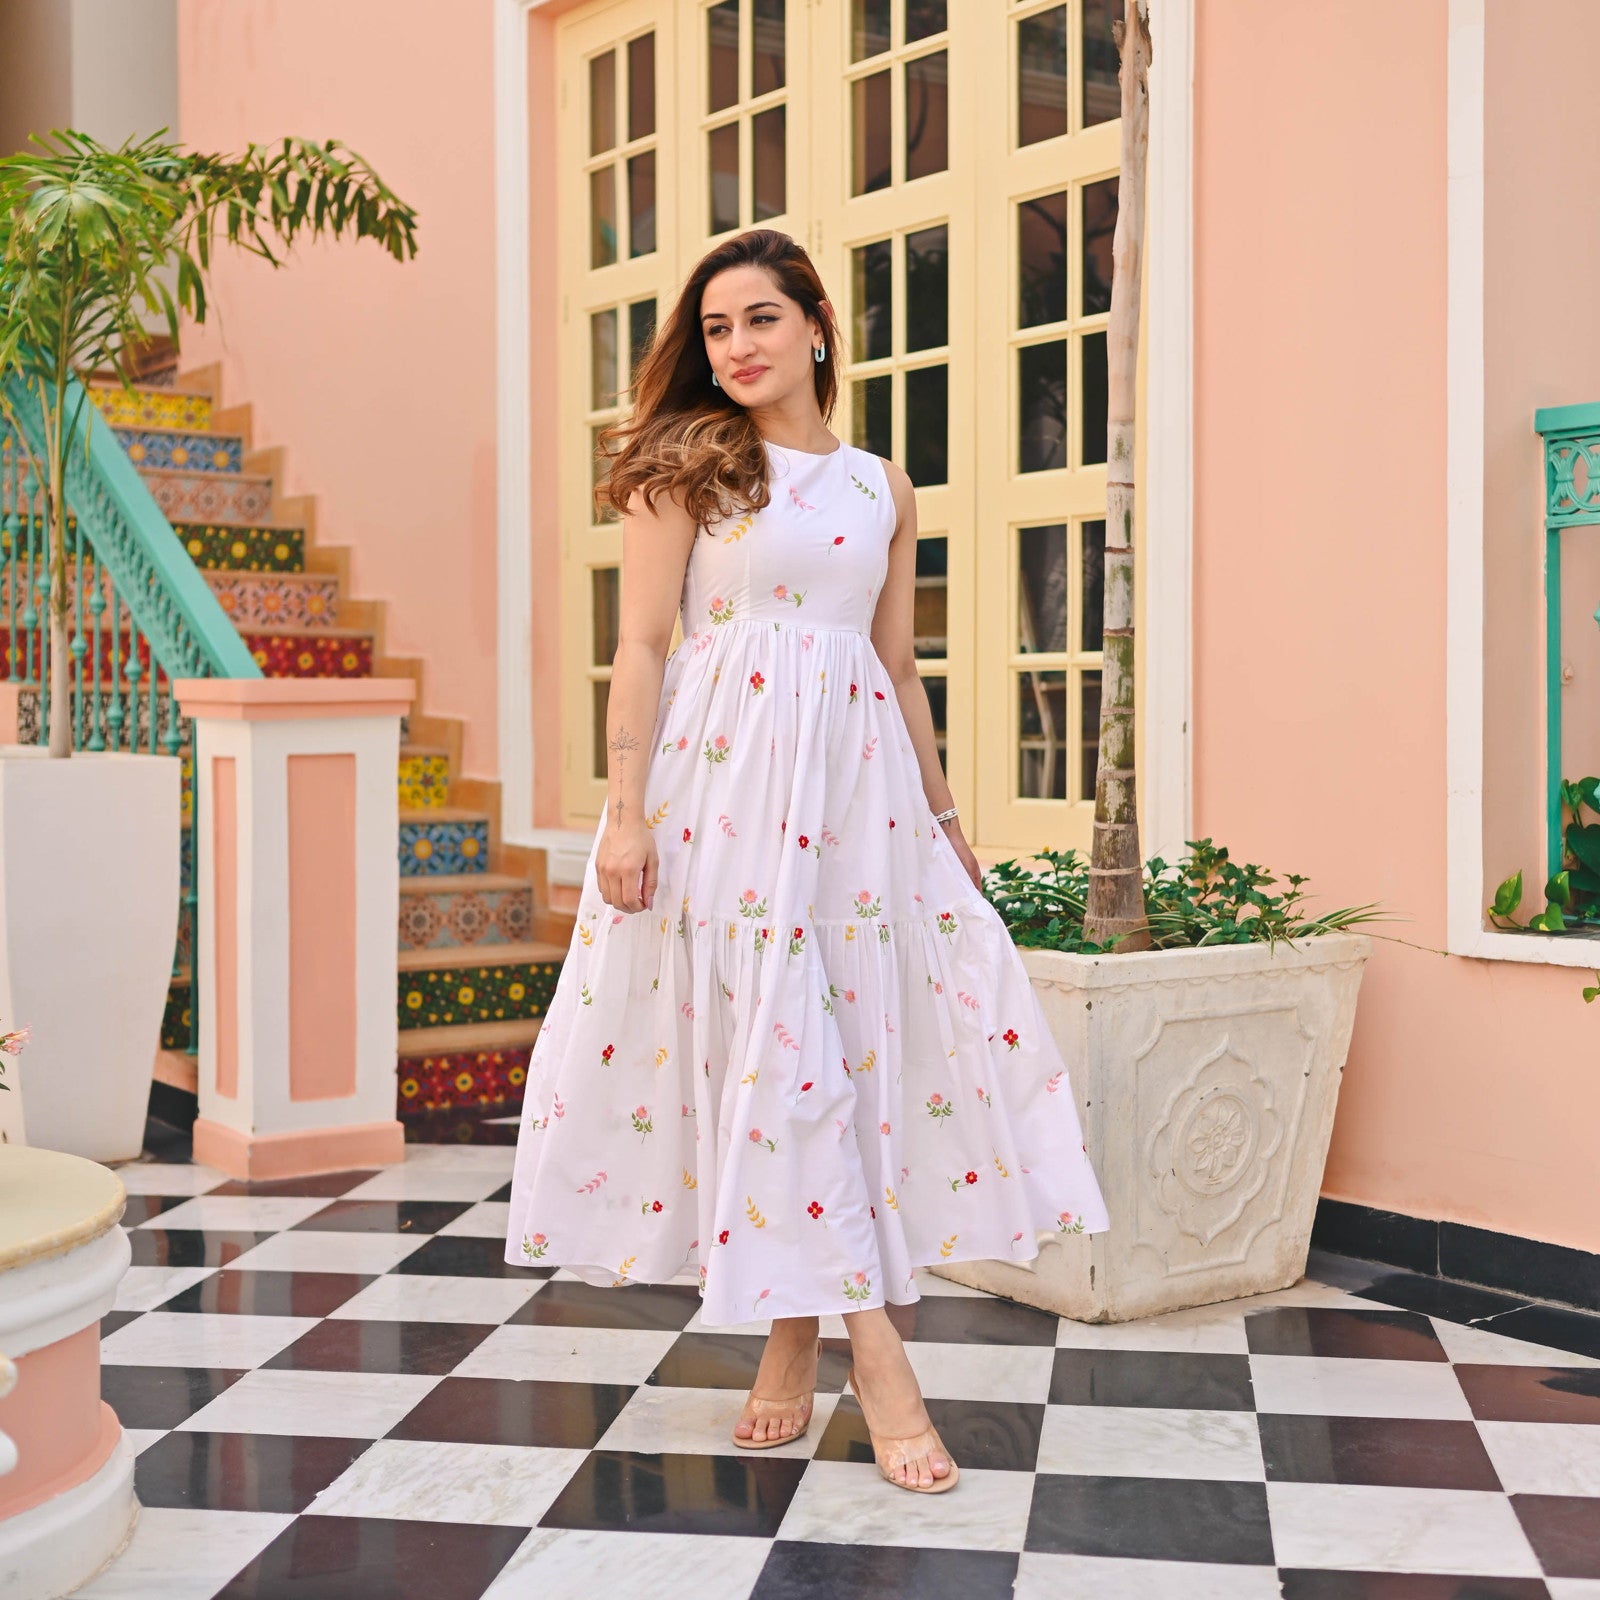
(951,167)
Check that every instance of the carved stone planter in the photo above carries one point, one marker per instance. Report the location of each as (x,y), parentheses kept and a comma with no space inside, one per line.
(1206,1083)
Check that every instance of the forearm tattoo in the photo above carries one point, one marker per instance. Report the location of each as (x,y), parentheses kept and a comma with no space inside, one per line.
(621,743)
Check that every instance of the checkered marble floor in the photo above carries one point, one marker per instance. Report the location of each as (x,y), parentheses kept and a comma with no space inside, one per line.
(338,1391)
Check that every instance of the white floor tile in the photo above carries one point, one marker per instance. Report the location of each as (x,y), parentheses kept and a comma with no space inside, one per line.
(416,1480)
(463,1157)
(184,1555)
(142,1438)
(1339,1386)
(1206,1329)
(428,1183)
(240,1212)
(402,1297)
(1545,1457)
(488,1219)
(200,1339)
(167,1177)
(335,1405)
(1055,1577)
(317,1251)
(1463,1343)
(144,1288)
(1573,1588)
(850,1502)
(929,1282)
(558,1354)
(1384,1529)
(583,1563)
(1148,1442)
(981,1371)
(829,1326)
(661,1420)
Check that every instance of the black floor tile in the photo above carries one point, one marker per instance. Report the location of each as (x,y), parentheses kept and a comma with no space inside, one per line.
(357,1345)
(164,1141)
(373,1558)
(1388,1452)
(269,1294)
(993,1434)
(719,1494)
(969,1319)
(142,1207)
(502,1193)
(1311,1584)
(651,1306)
(1561,1329)
(190,1247)
(716,1361)
(162,1397)
(797,1569)
(1530,1394)
(1177,1380)
(515,1411)
(1375,1335)
(240,1471)
(1150,1519)
(1564,1531)
(331,1184)
(463,1257)
(112,1320)
(383,1216)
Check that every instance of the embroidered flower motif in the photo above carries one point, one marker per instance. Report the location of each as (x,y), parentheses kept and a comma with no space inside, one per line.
(1011,1039)
(534,1245)
(650,1205)
(641,1120)
(680,743)
(718,749)
(883,1127)
(938,1106)
(853,694)
(782,591)
(755,1138)
(758,684)
(797,941)
(722,1238)
(1067,1223)
(606,1054)
(877,694)
(750,906)
(858,1287)
(721,610)
(686,836)
(838,539)
(815,1209)
(866,906)
(946,923)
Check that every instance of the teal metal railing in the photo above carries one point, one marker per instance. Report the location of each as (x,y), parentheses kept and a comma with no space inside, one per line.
(140,617)
(1572,500)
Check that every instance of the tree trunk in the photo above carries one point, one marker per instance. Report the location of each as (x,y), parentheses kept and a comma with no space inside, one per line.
(60,658)
(1115,913)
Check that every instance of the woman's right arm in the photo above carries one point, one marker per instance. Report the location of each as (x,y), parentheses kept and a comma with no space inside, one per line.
(655,552)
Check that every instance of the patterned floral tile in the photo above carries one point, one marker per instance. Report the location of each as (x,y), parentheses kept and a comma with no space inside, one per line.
(451,996)
(277,600)
(337,655)
(186,450)
(449,919)
(424,781)
(469,1078)
(222,547)
(443,849)
(189,496)
(143,408)
(179,1017)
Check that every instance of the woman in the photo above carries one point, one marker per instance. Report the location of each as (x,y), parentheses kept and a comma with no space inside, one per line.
(792,1043)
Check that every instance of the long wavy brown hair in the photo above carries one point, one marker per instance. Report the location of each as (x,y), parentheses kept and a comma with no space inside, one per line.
(686,435)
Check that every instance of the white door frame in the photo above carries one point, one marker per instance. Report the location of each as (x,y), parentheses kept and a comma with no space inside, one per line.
(1166,783)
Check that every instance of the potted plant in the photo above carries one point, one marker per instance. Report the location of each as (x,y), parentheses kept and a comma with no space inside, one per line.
(1204,1019)
(89,846)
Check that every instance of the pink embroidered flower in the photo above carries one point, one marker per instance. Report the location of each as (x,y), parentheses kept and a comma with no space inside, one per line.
(683,742)
(780,592)
(538,1238)
(861,1277)
(755,1136)
(850,995)
(864,896)
(936,1099)
(641,1111)
(749,897)
(883,1127)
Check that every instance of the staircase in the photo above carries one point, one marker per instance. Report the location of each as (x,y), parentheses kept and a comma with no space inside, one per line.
(478,945)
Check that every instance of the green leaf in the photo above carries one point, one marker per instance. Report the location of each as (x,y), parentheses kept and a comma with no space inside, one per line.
(1508,896)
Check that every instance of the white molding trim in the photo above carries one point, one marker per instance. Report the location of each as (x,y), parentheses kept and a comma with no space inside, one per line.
(1166,637)
(1167,785)
(1465,462)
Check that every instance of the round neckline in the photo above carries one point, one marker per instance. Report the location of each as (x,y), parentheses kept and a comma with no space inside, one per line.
(815,455)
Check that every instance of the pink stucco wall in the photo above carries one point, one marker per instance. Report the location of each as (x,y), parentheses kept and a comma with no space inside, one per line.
(1320,406)
(378,377)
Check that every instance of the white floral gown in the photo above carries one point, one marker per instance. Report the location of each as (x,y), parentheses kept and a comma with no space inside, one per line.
(815,1062)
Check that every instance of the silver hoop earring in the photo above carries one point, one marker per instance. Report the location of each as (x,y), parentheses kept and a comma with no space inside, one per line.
(714,383)
(819,351)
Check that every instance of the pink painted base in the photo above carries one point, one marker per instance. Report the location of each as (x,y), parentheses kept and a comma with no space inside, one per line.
(63,1430)
(300,1154)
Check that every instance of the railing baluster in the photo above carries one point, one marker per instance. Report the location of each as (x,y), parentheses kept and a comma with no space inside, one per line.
(77,645)
(97,706)
(114,711)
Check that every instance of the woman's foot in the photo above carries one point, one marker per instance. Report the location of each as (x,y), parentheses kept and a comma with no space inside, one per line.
(785,1383)
(891,1400)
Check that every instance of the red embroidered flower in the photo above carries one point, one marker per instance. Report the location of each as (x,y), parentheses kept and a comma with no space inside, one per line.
(807,1084)
(605,1055)
(815,1208)
(944,916)
(1010,1037)
(799,933)
(686,836)
(878,693)
(722,1238)
(874,1211)
(656,1204)
(972,1177)
(757,679)
(891,822)
(803,841)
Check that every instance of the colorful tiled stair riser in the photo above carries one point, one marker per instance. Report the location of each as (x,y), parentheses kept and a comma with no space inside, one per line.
(252,553)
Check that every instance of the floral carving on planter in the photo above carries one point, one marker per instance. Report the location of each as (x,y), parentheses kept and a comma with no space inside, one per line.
(1216,1150)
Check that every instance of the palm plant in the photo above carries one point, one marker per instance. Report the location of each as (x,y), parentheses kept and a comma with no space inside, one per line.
(90,236)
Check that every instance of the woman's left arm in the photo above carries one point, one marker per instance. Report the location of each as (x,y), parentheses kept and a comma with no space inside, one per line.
(893,630)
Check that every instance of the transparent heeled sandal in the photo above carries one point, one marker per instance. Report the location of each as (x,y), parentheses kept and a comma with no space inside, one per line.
(763,1407)
(892,1453)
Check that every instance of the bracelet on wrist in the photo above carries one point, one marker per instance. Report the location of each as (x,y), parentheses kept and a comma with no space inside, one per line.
(944,816)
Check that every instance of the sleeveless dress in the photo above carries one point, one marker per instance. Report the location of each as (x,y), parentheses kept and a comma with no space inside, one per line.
(816,1062)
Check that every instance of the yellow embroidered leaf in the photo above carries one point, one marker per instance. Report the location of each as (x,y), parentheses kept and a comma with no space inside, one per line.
(751,1075)
(849,932)
(949,1244)
(658,815)
(689,1180)
(740,529)
(870,1062)
(894,1205)
(1001,1166)
(661,1056)
(752,1213)
(585,935)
